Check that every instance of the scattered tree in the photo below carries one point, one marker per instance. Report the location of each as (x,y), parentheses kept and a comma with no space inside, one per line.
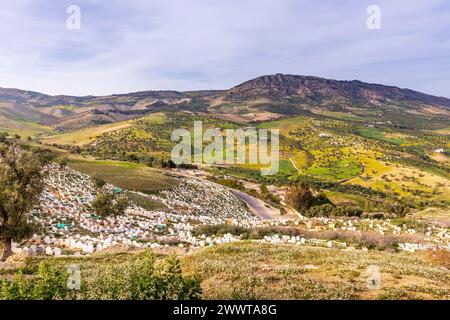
(98,181)
(63,162)
(21,182)
(3,136)
(299,197)
(106,204)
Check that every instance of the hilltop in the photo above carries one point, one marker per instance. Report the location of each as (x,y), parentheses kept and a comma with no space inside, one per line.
(263,98)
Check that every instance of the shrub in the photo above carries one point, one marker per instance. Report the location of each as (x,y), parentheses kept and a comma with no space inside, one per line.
(50,283)
(140,279)
(106,204)
(98,181)
(328,210)
(299,197)
(63,162)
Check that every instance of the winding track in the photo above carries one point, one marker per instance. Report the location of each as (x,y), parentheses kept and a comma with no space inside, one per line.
(255,205)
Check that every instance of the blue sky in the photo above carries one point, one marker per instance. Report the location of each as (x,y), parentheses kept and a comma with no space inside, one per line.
(134,45)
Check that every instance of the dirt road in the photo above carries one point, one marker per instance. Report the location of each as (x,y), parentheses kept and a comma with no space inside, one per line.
(257,206)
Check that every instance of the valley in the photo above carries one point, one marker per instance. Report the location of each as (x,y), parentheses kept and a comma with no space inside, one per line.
(364,179)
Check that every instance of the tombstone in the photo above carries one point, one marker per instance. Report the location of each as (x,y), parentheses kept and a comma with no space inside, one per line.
(47,240)
(57,252)
(89,248)
(79,245)
(17,250)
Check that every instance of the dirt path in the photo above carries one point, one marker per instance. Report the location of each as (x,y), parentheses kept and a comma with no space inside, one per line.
(293,164)
(255,205)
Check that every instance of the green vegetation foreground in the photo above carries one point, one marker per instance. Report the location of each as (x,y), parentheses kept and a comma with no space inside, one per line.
(246,270)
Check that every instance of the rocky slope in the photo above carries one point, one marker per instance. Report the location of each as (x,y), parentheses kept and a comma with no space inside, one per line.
(277,95)
(282,85)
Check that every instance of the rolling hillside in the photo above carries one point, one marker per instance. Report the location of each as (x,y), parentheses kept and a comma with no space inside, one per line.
(261,99)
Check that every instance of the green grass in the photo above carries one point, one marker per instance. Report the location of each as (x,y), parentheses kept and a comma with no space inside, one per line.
(16,125)
(261,271)
(377,134)
(127,175)
(146,202)
(338,115)
(84,136)
(343,169)
(286,168)
(250,270)
(302,159)
(340,198)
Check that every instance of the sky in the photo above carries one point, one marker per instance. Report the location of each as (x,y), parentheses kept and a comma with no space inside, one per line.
(134,45)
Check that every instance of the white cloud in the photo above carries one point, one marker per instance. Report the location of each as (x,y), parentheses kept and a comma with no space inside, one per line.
(135,45)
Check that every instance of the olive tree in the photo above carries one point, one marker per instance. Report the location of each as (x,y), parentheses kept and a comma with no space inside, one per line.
(106,204)
(299,197)
(21,182)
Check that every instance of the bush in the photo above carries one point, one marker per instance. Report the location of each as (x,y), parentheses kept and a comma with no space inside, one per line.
(299,197)
(106,204)
(98,181)
(141,279)
(50,283)
(63,162)
(328,210)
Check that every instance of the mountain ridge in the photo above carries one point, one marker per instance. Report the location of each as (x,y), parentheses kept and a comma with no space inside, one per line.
(297,81)
(272,96)
(5,90)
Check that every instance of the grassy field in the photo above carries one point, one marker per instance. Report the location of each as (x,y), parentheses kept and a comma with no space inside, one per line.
(126,175)
(85,136)
(302,159)
(323,149)
(14,125)
(403,180)
(343,169)
(250,270)
(340,198)
(338,115)
(378,134)
(286,168)
(263,271)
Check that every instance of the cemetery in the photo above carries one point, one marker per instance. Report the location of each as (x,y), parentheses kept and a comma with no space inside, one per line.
(70,226)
